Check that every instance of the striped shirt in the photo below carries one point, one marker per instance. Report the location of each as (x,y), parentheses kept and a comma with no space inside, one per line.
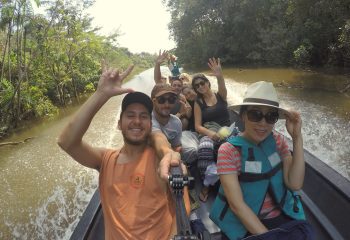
(229,162)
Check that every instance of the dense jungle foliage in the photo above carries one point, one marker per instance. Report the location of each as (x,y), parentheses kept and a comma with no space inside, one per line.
(48,61)
(307,33)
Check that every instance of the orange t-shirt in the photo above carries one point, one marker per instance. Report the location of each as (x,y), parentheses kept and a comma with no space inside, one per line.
(135,203)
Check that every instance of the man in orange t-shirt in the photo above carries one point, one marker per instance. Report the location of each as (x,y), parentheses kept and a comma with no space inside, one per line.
(136,202)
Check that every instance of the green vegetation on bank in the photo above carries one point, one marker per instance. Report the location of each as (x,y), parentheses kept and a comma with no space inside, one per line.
(48,61)
(307,33)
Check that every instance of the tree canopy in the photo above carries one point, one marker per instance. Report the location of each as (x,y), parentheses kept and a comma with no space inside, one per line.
(264,32)
(49,60)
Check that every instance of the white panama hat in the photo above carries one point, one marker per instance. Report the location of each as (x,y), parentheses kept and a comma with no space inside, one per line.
(262,94)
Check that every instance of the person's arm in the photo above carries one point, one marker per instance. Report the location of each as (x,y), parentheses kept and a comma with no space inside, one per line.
(234,196)
(188,110)
(294,166)
(198,124)
(215,66)
(168,156)
(162,56)
(71,138)
(163,148)
(185,109)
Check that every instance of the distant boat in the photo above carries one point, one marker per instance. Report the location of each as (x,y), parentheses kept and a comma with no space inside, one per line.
(325,196)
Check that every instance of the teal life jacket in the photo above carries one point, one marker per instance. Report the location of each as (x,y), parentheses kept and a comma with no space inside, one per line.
(261,172)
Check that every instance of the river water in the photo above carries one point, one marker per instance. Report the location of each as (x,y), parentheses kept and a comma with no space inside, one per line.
(44,192)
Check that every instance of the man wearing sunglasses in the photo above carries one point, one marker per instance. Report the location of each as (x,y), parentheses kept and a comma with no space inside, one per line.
(164,98)
(182,109)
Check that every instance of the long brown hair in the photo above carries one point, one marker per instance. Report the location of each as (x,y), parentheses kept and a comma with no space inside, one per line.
(199,76)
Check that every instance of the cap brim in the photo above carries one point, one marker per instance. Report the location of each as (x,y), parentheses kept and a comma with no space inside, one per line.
(164,92)
(137,97)
(281,111)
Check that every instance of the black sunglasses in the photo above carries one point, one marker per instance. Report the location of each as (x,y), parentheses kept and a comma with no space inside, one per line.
(170,100)
(257,115)
(197,85)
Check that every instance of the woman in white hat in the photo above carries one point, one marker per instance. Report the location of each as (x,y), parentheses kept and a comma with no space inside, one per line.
(258,174)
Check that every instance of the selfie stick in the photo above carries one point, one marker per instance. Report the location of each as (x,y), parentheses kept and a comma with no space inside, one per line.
(177,183)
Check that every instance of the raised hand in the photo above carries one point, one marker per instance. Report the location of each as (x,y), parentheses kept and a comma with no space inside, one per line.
(215,67)
(185,106)
(293,124)
(162,56)
(170,159)
(111,80)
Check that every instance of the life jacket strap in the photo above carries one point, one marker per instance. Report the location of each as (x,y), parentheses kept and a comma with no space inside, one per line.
(226,206)
(254,177)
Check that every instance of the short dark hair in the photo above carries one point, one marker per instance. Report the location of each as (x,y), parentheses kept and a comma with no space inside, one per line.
(137,97)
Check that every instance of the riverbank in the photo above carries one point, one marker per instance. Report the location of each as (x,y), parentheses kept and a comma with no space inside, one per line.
(8,133)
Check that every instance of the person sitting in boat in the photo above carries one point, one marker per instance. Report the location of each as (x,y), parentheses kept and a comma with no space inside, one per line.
(257,172)
(173,65)
(182,109)
(135,201)
(164,98)
(210,114)
(186,79)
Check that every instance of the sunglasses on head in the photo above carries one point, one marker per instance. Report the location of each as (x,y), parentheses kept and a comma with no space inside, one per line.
(257,115)
(170,100)
(197,85)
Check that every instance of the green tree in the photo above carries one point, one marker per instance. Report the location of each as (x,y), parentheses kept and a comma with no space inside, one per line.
(49,60)
(268,32)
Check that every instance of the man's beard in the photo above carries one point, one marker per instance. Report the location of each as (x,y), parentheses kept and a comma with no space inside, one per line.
(163,113)
(133,142)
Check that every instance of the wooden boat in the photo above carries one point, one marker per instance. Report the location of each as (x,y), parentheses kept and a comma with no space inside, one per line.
(325,195)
